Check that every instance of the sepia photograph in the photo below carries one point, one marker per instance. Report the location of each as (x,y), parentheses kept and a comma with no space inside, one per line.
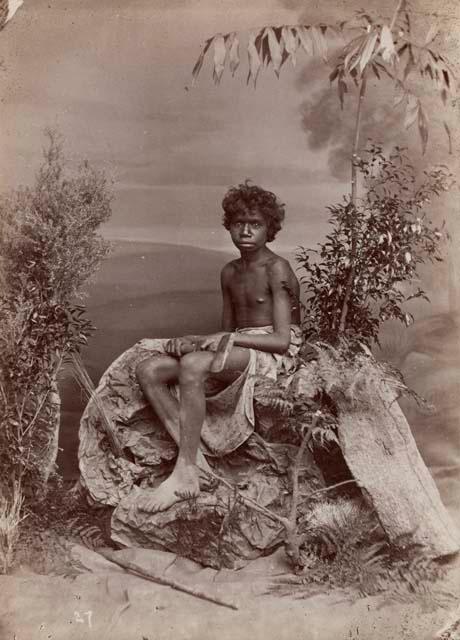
(229,319)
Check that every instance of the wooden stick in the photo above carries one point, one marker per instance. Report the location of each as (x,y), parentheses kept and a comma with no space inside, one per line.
(329,488)
(249,501)
(153,577)
(296,472)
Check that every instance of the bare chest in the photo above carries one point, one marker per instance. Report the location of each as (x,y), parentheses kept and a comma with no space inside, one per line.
(251,289)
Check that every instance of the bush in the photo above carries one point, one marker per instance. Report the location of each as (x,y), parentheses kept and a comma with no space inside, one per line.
(49,247)
(384,239)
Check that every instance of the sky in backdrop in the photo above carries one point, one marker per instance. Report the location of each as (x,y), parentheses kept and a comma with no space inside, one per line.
(115,78)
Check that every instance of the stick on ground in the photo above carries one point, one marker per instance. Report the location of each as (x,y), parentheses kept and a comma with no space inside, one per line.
(153,577)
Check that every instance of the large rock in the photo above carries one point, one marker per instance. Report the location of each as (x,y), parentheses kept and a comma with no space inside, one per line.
(217,528)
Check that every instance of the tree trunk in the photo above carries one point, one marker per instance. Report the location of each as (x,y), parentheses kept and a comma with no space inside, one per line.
(51,451)
(382,455)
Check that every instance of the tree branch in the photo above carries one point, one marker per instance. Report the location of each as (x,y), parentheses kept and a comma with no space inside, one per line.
(354,199)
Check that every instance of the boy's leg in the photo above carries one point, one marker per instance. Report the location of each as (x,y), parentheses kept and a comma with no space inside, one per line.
(183,482)
(153,375)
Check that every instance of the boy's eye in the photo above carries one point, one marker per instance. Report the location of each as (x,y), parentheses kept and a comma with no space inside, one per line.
(253,225)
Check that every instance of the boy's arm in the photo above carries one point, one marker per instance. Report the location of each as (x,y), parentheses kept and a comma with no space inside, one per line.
(228,316)
(177,347)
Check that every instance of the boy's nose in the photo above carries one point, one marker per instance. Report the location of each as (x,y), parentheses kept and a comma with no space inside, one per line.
(246,230)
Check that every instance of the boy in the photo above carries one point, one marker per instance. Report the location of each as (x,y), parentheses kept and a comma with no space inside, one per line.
(258,291)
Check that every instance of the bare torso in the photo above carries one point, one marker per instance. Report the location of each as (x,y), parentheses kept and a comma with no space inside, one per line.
(251,294)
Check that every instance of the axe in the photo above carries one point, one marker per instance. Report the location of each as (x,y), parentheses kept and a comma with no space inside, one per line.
(223,349)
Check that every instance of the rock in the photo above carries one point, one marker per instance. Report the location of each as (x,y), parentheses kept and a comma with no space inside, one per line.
(216,529)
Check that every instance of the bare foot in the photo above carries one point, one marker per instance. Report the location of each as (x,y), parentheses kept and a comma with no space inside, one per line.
(181,485)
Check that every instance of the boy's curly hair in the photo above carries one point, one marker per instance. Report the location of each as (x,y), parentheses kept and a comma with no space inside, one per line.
(250,197)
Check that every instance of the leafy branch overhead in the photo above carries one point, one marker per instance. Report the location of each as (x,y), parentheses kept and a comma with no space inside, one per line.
(353,49)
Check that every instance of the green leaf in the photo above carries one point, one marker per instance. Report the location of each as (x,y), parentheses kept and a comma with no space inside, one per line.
(412,109)
(449,136)
(199,63)
(334,73)
(253,59)
(353,50)
(342,89)
(375,69)
(220,53)
(13,6)
(305,39)
(431,35)
(408,319)
(387,47)
(275,50)
(265,49)
(400,94)
(367,52)
(291,42)
(445,75)
(233,52)
(410,62)
(258,43)
(319,42)
(423,127)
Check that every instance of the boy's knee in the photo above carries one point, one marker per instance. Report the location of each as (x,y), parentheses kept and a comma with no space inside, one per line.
(148,370)
(143,369)
(193,367)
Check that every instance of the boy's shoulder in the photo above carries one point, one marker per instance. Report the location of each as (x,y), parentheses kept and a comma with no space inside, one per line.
(230,266)
(278,264)
(228,270)
(272,262)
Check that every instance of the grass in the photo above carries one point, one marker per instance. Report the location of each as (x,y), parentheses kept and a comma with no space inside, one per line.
(52,526)
(10,519)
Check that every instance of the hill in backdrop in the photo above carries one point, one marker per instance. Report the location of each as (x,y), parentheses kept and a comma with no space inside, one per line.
(151,290)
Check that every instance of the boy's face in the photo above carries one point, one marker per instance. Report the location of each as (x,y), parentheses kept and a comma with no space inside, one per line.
(248,230)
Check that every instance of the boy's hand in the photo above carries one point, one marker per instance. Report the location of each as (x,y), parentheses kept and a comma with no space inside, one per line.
(178,347)
(210,343)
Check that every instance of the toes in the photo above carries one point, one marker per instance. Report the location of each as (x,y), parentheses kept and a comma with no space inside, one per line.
(186,494)
(164,498)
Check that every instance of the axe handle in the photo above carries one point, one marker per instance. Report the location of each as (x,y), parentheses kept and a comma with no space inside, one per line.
(223,349)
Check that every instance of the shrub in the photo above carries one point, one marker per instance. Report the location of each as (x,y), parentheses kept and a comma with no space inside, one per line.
(49,247)
(391,235)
